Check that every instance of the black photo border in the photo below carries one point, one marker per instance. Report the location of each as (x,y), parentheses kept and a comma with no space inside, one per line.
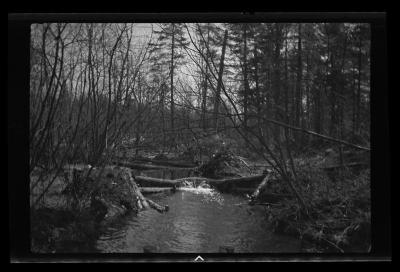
(18,131)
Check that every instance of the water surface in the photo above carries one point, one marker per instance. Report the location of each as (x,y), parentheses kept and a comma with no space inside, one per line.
(200,220)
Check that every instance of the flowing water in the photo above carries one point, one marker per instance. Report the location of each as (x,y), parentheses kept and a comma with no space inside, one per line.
(199,220)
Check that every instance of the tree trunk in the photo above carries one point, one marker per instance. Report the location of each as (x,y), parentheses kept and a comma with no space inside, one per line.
(155,190)
(299,90)
(260,187)
(172,78)
(219,84)
(277,79)
(358,104)
(157,207)
(256,79)
(144,166)
(246,82)
(205,83)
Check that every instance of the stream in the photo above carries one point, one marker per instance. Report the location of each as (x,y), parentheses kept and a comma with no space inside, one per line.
(199,220)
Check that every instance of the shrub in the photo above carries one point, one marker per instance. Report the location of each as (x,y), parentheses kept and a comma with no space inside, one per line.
(340,210)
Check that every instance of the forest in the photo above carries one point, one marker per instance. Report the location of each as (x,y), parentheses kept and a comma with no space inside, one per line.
(125,115)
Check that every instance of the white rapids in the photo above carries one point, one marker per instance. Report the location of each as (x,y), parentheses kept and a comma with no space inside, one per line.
(197,190)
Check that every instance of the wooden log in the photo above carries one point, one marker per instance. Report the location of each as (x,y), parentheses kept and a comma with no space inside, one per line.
(138,166)
(157,207)
(180,164)
(155,190)
(233,183)
(243,180)
(147,166)
(135,191)
(227,185)
(260,187)
(155,182)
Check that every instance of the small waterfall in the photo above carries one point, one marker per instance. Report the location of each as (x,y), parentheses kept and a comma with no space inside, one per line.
(196,186)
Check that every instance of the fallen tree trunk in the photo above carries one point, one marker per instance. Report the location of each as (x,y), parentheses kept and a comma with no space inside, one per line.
(261,186)
(155,182)
(134,190)
(157,207)
(140,166)
(232,183)
(180,164)
(155,190)
(228,184)
(244,182)
(325,137)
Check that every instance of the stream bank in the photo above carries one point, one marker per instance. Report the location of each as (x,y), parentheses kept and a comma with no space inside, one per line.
(339,212)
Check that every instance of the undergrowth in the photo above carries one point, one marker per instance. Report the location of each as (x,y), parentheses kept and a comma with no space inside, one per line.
(340,213)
